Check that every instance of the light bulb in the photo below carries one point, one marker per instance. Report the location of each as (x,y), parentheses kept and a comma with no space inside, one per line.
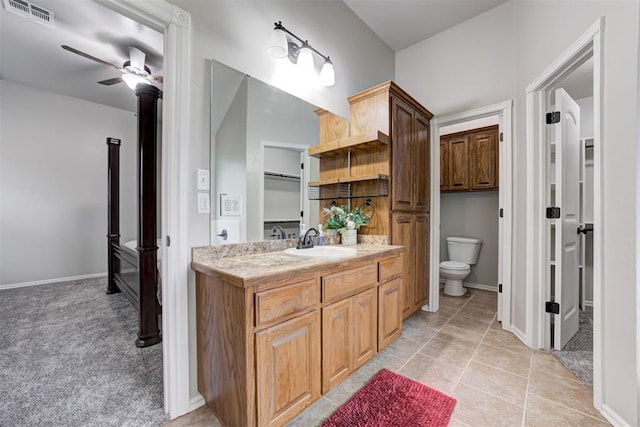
(133,80)
(305,60)
(278,44)
(327,74)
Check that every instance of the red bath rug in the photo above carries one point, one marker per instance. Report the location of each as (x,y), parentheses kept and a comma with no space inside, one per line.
(389,400)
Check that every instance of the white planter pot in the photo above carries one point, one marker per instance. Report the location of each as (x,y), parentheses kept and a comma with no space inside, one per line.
(350,237)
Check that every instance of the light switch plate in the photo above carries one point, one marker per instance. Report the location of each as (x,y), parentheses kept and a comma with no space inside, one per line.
(203,203)
(203,179)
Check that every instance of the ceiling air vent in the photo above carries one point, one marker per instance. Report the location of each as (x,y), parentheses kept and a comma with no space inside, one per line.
(30,11)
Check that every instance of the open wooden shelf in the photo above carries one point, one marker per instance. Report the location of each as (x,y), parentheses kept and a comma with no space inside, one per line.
(349,144)
(348,179)
(340,188)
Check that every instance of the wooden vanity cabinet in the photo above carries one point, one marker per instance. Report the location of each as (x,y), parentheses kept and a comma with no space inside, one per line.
(470,159)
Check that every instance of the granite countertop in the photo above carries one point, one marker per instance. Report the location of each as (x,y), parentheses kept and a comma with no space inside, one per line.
(248,270)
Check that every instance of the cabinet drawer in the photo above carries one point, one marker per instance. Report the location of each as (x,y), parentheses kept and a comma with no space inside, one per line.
(390,268)
(286,302)
(348,282)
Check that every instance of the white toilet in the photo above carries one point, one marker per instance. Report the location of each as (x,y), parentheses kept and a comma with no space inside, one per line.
(463,252)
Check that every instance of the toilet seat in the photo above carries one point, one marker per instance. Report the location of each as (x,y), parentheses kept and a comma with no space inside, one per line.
(454,265)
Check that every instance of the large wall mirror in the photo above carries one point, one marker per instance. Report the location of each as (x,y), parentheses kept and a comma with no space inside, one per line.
(259,163)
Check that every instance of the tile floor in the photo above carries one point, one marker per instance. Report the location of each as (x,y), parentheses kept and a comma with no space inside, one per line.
(462,350)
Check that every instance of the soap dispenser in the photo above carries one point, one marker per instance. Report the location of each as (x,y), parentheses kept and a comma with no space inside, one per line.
(320,239)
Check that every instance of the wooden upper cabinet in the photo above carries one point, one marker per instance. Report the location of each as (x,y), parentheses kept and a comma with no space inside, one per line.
(403,152)
(469,160)
(422,161)
(458,163)
(483,159)
(444,166)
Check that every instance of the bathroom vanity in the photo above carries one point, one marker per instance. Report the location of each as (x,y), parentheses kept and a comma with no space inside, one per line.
(276,331)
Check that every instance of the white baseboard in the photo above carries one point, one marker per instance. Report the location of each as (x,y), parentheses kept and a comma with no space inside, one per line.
(196,402)
(612,417)
(45,282)
(519,334)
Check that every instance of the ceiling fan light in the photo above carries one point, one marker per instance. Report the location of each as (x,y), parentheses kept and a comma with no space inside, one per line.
(327,74)
(133,80)
(278,44)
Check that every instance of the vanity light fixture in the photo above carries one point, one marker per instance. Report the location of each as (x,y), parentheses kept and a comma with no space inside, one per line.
(301,55)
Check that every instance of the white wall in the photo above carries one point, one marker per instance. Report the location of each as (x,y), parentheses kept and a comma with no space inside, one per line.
(236,33)
(472,214)
(53,183)
(493,57)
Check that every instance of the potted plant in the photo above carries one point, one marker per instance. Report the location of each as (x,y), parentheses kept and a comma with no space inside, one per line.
(336,219)
(346,223)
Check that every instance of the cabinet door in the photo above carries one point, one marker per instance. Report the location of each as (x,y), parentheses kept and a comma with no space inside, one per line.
(422,161)
(402,233)
(458,152)
(365,314)
(402,175)
(483,159)
(288,368)
(336,343)
(389,312)
(421,261)
(444,166)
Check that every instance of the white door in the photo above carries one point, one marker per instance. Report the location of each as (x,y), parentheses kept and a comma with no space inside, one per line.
(567,137)
(501,203)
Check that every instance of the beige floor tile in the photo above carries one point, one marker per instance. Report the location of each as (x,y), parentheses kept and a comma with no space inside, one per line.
(459,336)
(448,352)
(403,348)
(314,415)
(477,408)
(506,341)
(496,325)
(543,413)
(484,305)
(544,361)
(502,384)
(473,313)
(453,422)
(572,394)
(432,372)
(417,329)
(432,320)
(347,388)
(470,324)
(201,417)
(382,360)
(453,302)
(515,363)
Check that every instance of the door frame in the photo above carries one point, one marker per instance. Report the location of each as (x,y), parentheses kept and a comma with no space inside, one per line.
(175,24)
(538,331)
(504,110)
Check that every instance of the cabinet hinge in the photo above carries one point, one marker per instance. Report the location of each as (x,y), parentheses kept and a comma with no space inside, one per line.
(301,214)
(168,241)
(501,136)
(501,213)
(552,117)
(301,166)
(553,212)
(552,307)
(500,288)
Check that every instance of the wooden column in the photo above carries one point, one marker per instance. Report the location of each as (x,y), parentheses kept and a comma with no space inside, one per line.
(148,330)
(113,211)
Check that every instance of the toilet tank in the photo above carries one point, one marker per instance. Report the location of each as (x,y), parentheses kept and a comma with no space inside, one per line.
(463,249)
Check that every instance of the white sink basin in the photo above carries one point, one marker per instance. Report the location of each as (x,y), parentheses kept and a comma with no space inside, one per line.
(322,252)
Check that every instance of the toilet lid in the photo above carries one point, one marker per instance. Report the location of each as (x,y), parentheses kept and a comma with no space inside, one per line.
(454,265)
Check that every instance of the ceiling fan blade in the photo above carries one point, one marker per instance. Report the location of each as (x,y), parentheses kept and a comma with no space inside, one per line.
(137,57)
(93,58)
(112,81)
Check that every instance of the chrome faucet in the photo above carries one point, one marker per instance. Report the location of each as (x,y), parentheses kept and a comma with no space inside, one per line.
(275,228)
(305,241)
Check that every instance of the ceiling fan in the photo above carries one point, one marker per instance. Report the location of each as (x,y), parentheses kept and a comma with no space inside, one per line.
(134,71)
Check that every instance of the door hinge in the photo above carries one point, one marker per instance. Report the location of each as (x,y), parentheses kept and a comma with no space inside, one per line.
(552,117)
(301,165)
(301,214)
(500,288)
(552,307)
(553,212)
(501,136)
(501,213)
(168,241)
